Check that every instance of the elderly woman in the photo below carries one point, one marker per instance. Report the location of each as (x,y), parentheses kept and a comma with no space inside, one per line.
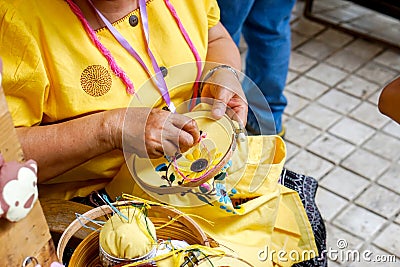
(74,69)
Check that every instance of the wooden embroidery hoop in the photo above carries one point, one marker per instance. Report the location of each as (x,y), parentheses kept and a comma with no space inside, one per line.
(223,133)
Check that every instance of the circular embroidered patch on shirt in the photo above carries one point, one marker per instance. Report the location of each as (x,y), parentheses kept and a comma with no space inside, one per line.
(96,80)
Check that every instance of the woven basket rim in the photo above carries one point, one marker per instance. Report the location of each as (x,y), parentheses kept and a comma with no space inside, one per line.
(100,211)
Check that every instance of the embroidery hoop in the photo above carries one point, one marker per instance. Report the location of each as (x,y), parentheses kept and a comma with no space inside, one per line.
(223,133)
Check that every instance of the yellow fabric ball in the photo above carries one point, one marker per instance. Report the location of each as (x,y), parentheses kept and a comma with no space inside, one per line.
(128,239)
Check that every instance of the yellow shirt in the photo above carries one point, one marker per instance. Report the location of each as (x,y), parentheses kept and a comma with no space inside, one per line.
(67,60)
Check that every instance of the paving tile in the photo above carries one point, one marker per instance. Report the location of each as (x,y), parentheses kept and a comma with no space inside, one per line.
(374,98)
(359,10)
(380,200)
(307,88)
(358,87)
(391,178)
(391,34)
(291,150)
(352,131)
(325,117)
(307,27)
(384,145)
(297,39)
(298,8)
(333,263)
(291,76)
(300,63)
(389,58)
(309,164)
(372,23)
(328,4)
(327,74)
(349,25)
(295,103)
(397,220)
(339,101)
(388,20)
(334,38)
(373,256)
(316,49)
(359,221)
(366,164)
(392,128)
(331,148)
(340,15)
(336,254)
(346,60)
(370,115)
(377,73)
(293,17)
(336,235)
(344,183)
(329,204)
(389,239)
(364,49)
(300,133)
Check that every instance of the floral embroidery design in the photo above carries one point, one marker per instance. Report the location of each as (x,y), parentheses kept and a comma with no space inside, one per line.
(196,162)
(206,191)
(96,80)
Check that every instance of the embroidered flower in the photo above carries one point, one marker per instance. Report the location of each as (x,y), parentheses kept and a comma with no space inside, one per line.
(221,193)
(196,162)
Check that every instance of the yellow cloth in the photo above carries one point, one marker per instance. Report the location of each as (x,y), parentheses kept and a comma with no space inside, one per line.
(274,218)
(46,82)
(47,57)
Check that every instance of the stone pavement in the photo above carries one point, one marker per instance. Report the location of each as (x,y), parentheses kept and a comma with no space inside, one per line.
(336,134)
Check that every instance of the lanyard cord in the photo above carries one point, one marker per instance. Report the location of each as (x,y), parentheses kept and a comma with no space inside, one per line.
(159,79)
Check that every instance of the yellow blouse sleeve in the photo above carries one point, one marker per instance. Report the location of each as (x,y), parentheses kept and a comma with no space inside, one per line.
(212,13)
(25,81)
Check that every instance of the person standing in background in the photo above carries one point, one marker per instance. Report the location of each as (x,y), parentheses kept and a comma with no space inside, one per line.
(265,26)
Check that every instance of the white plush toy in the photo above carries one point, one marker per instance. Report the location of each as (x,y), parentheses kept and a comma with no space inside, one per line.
(18,188)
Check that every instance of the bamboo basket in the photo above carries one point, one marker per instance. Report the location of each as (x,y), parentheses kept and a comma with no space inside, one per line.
(87,252)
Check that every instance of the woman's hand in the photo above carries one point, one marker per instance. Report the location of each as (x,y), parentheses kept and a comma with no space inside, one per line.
(226,91)
(223,86)
(151,132)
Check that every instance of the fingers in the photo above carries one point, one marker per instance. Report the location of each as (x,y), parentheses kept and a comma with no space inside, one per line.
(238,110)
(169,148)
(169,133)
(221,99)
(186,133)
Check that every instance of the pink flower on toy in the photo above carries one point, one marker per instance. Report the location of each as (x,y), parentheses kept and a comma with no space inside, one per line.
(18,188)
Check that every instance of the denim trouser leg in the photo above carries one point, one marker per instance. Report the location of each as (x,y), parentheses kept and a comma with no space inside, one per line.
(233,16)
(266,30)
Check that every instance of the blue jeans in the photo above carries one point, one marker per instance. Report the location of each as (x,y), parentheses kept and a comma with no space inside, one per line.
(265,25)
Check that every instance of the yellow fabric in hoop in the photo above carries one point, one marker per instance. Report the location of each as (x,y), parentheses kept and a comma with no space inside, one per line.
(273,220)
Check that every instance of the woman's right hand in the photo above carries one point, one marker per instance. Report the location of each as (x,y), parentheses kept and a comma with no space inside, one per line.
(151,132)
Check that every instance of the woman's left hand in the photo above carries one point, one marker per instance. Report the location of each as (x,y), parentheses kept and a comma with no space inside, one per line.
(227,94)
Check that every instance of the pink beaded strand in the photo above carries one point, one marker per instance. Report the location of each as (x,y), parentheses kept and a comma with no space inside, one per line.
(104,51)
